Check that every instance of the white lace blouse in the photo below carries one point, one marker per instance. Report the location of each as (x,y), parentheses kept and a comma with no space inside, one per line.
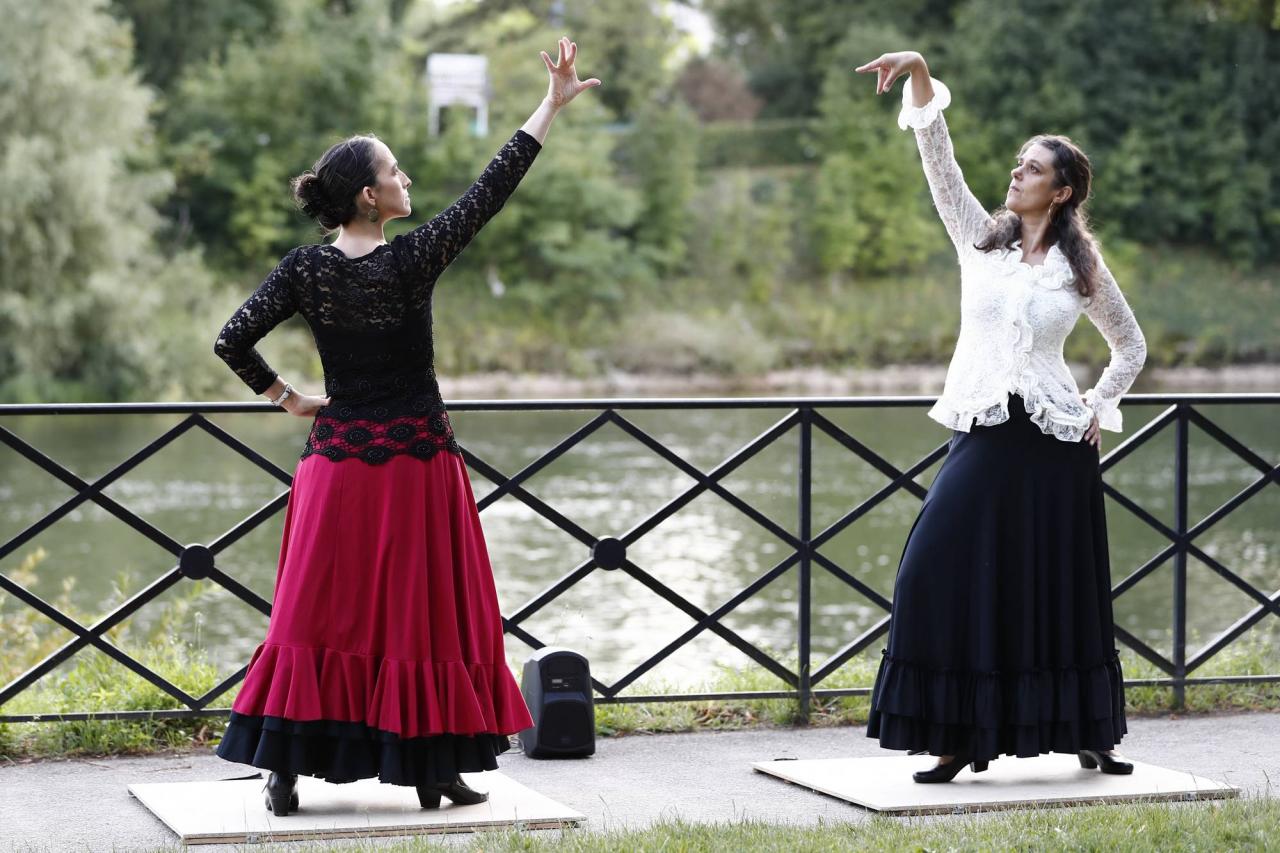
(1014,317)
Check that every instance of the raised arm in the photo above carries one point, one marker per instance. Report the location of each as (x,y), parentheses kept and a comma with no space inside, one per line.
(270,305)
(923,100)
(433,245)
(1109,311)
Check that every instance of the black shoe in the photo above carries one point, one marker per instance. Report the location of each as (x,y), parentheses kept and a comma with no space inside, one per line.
(1091,758)
(947,772)
(457,792)
(282,793)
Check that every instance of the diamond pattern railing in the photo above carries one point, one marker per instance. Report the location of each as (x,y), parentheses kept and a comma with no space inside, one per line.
(609,553)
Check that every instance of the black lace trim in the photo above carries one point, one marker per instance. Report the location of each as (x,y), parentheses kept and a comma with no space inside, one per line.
(375,440)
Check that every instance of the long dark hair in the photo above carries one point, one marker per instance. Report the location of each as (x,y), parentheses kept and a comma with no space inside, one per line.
(1069,228)
(327,191)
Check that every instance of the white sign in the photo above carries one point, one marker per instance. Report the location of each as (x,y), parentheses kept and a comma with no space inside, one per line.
(458,78)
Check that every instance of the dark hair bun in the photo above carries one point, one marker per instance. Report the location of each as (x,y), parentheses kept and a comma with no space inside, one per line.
(327,191)
(307,193)
(310,196)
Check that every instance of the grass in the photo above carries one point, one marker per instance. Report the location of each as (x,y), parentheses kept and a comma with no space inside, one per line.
(1195,309)
(94,682)
(1256,656)
(1238,825)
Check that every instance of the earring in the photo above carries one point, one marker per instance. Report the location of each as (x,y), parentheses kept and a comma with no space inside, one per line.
(373,214)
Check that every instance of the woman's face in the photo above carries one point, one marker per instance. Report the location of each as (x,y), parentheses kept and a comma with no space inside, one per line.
(1032,187)
(391,192)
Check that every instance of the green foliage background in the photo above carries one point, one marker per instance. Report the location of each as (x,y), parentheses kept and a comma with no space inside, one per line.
(146,147)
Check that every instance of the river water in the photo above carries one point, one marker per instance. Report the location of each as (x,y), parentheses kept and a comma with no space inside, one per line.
(196,489)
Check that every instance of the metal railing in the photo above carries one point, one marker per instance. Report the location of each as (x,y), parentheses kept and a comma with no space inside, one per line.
(605,552)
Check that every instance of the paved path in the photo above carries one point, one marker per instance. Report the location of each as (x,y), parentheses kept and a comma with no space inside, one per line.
(630,782)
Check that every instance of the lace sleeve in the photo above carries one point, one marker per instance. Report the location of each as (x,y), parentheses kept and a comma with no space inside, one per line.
(1109,311)
(963,215)
(432,246)
(269,306)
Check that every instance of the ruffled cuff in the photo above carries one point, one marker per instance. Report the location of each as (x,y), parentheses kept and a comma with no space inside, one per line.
(1107,410)
(918,118)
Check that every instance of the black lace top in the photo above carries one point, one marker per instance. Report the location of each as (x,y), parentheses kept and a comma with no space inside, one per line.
(371,319)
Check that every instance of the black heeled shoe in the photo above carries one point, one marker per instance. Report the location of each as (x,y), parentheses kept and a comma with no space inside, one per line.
(947,772)
(1091,758)
(457,791)
(282,793)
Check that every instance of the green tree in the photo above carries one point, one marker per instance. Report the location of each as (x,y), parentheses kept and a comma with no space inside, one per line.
(871,213)
(81,282)
(1174,105)
(1264,13)
(744,222)
(172,34)
(789,46)
(661,153)
(241,125)
(565,239)
(627,44)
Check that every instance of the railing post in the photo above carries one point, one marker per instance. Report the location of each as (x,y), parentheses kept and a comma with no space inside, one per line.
(1180,562)
(806,533)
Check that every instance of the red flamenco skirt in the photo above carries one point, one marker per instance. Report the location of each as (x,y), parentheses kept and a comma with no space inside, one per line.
(384,656)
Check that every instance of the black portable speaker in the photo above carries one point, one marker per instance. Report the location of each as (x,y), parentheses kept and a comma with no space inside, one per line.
(556,684)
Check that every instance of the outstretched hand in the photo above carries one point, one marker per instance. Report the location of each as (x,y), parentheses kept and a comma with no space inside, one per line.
(565,85)
(888,67)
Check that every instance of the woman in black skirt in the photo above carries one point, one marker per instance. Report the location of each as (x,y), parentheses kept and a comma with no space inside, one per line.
(1001,638)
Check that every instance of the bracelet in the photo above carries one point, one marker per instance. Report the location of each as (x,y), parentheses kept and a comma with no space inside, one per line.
(288,389)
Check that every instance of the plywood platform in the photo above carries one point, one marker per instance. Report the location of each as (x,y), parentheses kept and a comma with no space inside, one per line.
(885,784)
(232,812)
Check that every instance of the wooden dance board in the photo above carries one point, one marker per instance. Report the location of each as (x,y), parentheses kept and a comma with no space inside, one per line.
(232,812)
(885,785)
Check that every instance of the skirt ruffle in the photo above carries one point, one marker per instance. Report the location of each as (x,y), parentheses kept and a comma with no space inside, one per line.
(409,699)
(945,711)
(344,752)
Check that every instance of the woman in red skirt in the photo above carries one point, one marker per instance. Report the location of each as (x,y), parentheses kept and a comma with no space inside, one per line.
(384,655)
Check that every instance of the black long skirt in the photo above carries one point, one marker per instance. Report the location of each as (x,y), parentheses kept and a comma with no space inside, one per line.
(1001,637)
